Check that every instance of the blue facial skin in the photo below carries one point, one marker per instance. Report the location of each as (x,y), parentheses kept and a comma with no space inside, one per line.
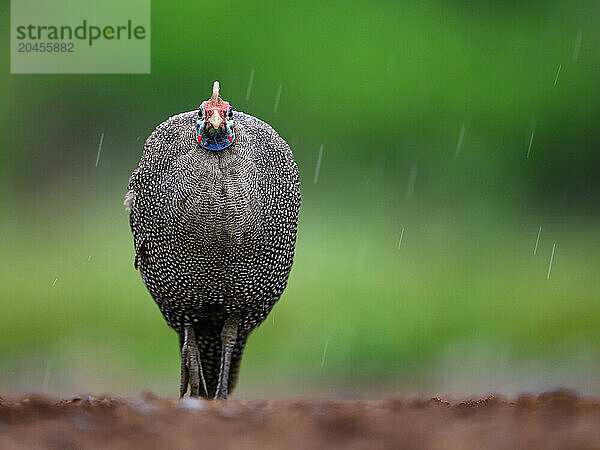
(214,140)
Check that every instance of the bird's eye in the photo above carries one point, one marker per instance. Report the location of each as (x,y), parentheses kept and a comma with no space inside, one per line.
(201,113)
(230,113)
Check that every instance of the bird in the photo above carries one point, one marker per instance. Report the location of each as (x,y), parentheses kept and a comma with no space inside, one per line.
(213,209)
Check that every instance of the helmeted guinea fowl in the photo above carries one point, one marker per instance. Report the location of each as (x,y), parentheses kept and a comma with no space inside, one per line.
(213,211)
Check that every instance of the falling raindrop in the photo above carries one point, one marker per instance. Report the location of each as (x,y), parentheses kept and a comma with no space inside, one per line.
(530,142)
(551,259)
(533,126)
(577,46)
(401,236)
(277,98)
(461,136)
(557,74)
(99,148)
(250,81)
(324,352)
(318,168)
(412,177)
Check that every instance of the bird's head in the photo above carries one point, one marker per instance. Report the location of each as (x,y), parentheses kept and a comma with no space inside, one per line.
(214,122)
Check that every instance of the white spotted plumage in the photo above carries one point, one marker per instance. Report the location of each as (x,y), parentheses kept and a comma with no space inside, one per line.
(214,231)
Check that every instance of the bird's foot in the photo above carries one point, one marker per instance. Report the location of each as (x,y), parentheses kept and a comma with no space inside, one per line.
(221,393)
(191,366)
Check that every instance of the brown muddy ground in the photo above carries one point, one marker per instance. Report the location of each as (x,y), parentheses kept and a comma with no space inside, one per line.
(551,420)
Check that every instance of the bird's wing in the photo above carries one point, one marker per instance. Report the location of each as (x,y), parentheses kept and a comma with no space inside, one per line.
(139,238)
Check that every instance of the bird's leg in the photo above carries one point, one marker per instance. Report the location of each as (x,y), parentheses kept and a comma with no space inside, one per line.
(191,366)
(228,339)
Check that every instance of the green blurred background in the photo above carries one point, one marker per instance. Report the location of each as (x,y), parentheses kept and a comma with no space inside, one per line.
(461,127)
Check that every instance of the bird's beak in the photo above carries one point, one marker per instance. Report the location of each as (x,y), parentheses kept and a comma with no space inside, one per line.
(215,120)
